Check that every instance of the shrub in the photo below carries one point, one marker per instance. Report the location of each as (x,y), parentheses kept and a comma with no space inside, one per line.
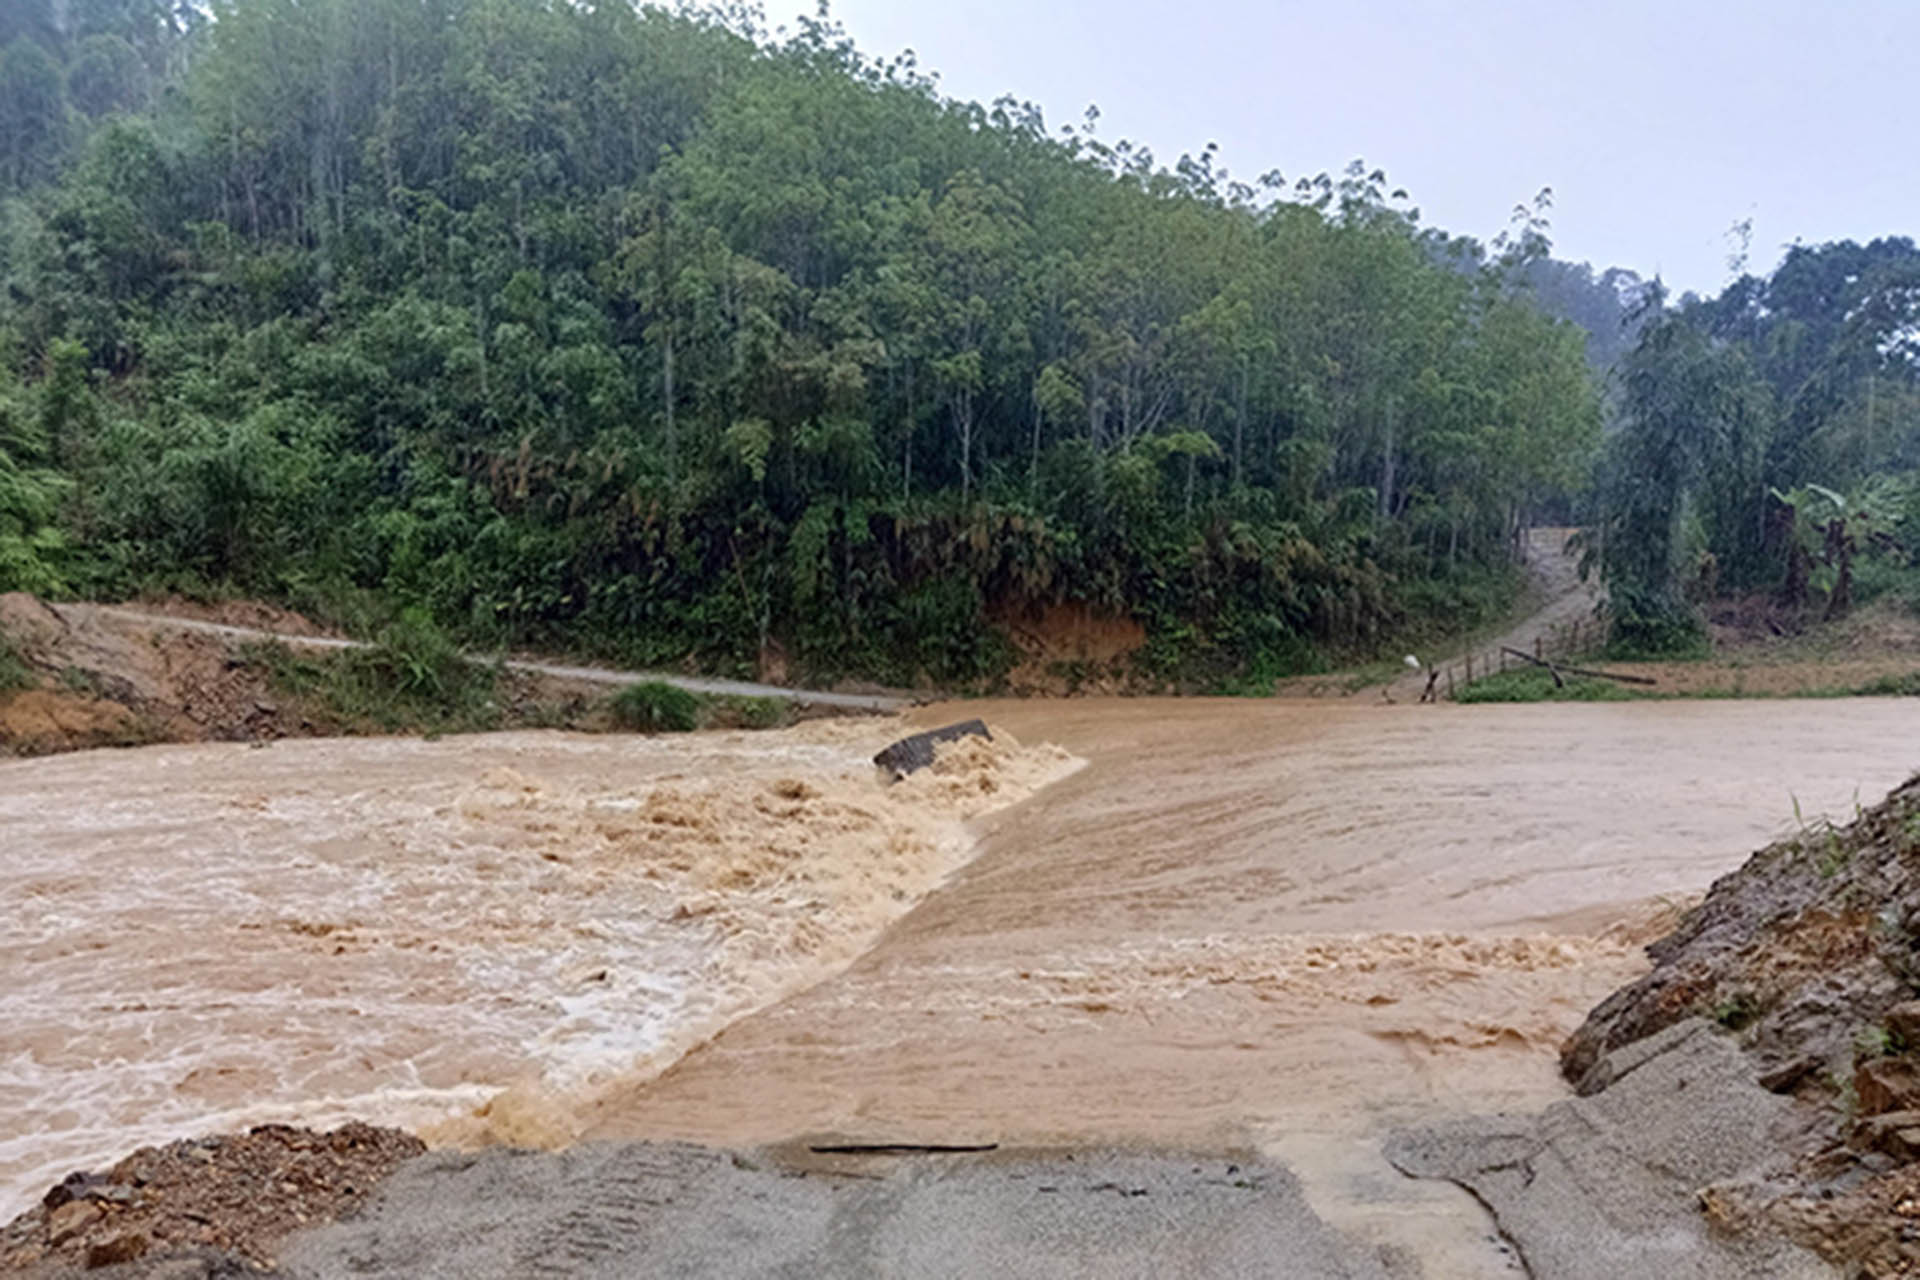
(1535,685)
(417,658)
(750,713)
(13,668)
(656,707)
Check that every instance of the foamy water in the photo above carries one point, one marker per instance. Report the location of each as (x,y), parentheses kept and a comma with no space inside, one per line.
(465,937)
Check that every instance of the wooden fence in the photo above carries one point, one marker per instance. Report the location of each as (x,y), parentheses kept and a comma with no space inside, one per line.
(1569,639)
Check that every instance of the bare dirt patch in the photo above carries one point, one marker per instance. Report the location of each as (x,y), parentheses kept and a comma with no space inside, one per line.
(38,721)
(1761,652)
(99,677)
(98,680)
(1070,649)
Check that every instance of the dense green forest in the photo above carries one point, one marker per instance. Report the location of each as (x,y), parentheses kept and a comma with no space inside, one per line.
(1770,444)
(651,335)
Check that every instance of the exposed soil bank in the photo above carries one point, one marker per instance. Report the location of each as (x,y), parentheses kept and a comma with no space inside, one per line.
(1807,961)
(1751,1107)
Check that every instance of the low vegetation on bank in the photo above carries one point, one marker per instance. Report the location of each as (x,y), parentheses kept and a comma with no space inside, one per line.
(1750,648)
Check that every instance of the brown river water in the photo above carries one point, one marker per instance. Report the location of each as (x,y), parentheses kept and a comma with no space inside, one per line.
(1276,925)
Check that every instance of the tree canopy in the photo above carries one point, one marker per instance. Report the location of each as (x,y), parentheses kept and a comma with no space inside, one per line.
(1769,433)
(645,333)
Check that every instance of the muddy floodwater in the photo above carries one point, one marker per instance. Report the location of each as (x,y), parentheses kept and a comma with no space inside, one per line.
(1279,925)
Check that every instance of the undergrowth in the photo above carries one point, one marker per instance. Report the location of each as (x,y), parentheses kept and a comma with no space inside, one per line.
(1535,685)
(656,707)
(413,680)
(653,706)
(14,673)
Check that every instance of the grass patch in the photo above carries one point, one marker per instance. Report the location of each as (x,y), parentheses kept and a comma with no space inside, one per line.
(653,706)
(735,712)
(413,680)
(1737,1012)
(1535,685)
(1906,686)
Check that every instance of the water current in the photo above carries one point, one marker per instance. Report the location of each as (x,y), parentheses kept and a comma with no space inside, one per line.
(1279,925)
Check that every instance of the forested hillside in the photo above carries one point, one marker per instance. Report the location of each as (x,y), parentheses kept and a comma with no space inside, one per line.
(1771,446)
(646,335)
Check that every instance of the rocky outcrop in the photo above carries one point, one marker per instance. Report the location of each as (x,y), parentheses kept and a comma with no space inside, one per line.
(1607,1186)
(1751,1107)
(1805,963)
(1800,954)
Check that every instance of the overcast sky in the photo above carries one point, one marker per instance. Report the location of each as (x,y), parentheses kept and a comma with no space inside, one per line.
(1658,123)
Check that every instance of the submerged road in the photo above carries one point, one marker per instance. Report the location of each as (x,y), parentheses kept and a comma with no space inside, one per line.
(1292,925)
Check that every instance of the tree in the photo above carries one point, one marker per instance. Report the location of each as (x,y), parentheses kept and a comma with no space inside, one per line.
(33,112)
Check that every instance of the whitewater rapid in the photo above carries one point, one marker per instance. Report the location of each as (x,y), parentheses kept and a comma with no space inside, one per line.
(463,937)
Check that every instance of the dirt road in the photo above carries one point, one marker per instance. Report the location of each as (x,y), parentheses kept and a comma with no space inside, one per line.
(592,675)
(1560,596)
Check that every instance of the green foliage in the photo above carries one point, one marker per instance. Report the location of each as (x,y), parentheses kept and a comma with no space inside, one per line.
(1906,686)
(31,546)
(14,672)
(1873,1041)
(1535,685)
(1737,1012)
(653,706)
(414,679)
(737,712)
(1771,439)
(640,333)
(1652,625)
(417,659)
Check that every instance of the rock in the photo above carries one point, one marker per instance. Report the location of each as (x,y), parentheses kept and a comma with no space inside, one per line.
(910,755)
(122,1248)
(1903,1024)
(70,1219)
(1786,1077)
(71,1187)
(1790,954)
(1897,1133)
(1887,1084)
(1641,1177)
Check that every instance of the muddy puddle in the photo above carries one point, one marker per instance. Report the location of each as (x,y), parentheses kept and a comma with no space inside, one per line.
(1289,925)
